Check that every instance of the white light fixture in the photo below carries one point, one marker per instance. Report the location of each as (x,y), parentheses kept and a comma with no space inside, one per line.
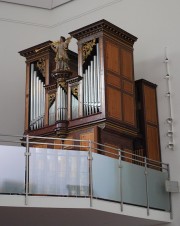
(170,133)
(170,145)
(169,120)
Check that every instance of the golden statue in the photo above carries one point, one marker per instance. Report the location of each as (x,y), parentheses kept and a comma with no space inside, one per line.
(60,48)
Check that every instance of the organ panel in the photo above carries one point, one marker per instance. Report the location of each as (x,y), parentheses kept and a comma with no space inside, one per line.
(128,86)
(113,80)
(114,110)
(153,143)
(148,117)
(127,64)
(128,109)
(112,57)
(150,104)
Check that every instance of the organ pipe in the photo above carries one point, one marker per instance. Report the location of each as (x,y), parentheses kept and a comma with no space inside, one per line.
(91,85)
(61,108)
(37,100)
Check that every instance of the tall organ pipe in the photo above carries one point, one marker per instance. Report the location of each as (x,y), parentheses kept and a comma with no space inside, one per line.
(32,99)
(95,84)
(98,76)
(86,91)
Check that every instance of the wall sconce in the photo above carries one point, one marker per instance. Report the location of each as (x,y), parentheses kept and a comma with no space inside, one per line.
(170,133)
(167,76)
(170,146)
(168,94)
(169,120)
(166,60)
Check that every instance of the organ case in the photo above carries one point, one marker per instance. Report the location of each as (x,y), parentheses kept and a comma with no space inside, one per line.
(96,99)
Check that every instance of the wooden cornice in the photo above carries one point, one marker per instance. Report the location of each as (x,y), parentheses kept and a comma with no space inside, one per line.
(146,82)
(32,50)
(105,27)
(51,87)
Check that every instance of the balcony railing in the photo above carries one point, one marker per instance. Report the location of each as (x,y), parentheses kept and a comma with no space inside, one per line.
(81,168)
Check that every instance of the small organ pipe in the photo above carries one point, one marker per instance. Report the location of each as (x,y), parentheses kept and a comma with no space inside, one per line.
(57,103)
(89,90)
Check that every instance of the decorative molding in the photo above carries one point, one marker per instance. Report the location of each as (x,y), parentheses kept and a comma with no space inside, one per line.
(33,50)
(64,21)
(74,80)
(51,87)
(25,22)
(105,27)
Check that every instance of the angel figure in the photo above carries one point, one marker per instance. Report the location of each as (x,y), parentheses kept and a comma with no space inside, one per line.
(61,47)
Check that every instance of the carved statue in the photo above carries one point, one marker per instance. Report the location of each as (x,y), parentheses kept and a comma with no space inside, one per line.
(62,60)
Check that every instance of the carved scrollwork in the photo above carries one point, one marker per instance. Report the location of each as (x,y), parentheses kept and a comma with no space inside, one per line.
(41,64)
(87,49)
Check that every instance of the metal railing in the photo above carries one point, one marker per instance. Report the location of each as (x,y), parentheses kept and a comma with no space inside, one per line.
(107,153)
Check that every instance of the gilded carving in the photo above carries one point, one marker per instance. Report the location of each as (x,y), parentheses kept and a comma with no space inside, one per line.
(75,91)
(41,64)
(52,98)
(87,49)
(63,84)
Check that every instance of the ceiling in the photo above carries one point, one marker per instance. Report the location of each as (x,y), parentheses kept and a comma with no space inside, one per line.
(19,216)
(45,4)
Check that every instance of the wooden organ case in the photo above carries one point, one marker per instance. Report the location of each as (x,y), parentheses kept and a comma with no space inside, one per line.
(97,100)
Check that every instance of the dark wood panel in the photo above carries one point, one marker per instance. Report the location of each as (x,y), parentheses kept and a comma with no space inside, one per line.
(127,155)
(114,103)
(128,86)
(128,109)
(89,134)
(127,64)
(153,151)
(113,80)
(150,104)
(109,149)
(112,57)
(86,136)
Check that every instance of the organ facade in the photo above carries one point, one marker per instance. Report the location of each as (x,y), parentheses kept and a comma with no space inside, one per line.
(98,98)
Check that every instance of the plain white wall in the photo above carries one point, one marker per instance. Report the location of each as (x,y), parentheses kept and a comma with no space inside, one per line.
(155,23)
(20,27)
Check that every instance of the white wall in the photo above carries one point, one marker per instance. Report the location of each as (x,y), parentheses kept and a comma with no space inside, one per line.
(155,23)
(19,29)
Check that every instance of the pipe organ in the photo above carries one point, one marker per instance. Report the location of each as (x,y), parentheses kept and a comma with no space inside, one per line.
(97,99)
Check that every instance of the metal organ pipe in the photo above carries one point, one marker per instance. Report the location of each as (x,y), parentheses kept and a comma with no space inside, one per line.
(37,100)
(95,85)
(31,98)
(98,77)
(91,85)
(92,88)
(86,92)
(61,104)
